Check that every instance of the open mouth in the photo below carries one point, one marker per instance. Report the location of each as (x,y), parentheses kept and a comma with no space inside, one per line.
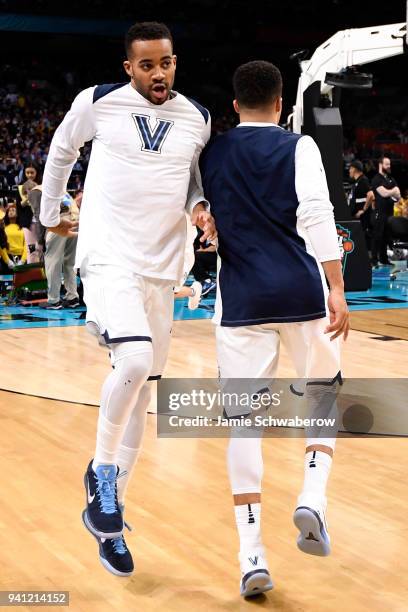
(160,91)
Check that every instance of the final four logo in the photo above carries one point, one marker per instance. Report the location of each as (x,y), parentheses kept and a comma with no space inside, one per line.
(346,245)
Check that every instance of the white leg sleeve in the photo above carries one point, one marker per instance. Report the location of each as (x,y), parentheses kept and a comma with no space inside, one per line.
(120,394)
(245,464)
(131,444)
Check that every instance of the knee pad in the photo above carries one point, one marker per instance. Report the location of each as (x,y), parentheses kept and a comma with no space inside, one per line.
(134,359)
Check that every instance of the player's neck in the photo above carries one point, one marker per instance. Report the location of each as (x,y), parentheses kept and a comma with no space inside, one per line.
(259,117)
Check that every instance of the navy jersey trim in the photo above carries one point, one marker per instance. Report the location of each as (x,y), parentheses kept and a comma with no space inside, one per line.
(109,340)
(290,319)
(325,383)
(202,110)
(102,90)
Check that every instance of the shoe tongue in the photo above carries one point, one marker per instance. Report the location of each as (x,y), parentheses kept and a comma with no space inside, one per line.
(106,472)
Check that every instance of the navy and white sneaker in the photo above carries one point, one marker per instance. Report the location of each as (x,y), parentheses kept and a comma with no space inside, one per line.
(74,303)
(207,286)
(255,577)
(113,553)
(102,515)
(54,305)
(310,519)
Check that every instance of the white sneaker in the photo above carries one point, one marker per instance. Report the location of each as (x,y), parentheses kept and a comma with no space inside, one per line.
(255,578)
(310,519)
(194,300)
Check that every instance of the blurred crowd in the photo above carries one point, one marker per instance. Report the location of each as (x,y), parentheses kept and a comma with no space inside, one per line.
(33,103)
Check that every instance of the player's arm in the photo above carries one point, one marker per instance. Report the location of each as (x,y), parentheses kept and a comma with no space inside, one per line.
(197,206)
(315,211)
(77,128)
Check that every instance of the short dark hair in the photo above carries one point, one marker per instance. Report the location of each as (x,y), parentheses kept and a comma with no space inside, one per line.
(381,158)
(257,84)
(357,164)
(147,30)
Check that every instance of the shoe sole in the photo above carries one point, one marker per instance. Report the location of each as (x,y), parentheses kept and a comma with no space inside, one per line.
(257,584)
(102,559)
(112,570)
(89,525)
(313,538)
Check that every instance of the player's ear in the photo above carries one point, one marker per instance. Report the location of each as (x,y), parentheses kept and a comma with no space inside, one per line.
(278,104)
(128,67)
(175,60)
(236,106)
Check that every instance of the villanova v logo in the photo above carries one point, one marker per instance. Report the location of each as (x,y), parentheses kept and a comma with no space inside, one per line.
(152,140)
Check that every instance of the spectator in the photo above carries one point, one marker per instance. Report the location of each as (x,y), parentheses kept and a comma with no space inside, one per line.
(29,220)
(205,262)
(78,198)
(14,252)
(361,197)
(60,258)
(4,268)
(401,207)
(34,199)
(386,193)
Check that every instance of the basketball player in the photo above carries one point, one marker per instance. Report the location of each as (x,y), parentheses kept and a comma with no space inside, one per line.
(268,186)
(142,177)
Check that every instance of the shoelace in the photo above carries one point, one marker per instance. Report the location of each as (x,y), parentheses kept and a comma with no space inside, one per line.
(119,546)
(106,492)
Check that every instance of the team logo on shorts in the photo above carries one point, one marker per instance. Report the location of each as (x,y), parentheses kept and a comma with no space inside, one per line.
(346,244)
(152,139)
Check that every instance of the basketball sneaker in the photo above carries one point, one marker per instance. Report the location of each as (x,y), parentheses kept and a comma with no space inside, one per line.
(74,303)
(207,286)
(54,305)
(310,519)
(255,577)
(113,553)
(102,515)
(194,300)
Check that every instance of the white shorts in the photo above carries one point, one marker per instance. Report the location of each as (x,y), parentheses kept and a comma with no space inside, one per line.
(253,351)
(125,307)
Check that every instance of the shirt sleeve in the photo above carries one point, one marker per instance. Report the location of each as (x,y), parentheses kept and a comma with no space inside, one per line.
(315,211)
(376,182)
(195,189)
(77,128)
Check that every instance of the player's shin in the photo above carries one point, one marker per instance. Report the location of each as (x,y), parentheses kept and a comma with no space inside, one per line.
(245,469)
(310,514)
(131,444)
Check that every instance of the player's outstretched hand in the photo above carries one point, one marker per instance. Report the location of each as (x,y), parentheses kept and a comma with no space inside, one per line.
(66,228)
(205,221)
(339,315)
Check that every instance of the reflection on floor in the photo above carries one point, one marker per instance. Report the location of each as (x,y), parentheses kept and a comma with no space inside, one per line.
(385,294)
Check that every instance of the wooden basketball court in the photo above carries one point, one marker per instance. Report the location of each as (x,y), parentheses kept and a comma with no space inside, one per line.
(184,542)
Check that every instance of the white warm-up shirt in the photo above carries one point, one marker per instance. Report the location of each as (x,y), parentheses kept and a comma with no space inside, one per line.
(142,176)
(315,213)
